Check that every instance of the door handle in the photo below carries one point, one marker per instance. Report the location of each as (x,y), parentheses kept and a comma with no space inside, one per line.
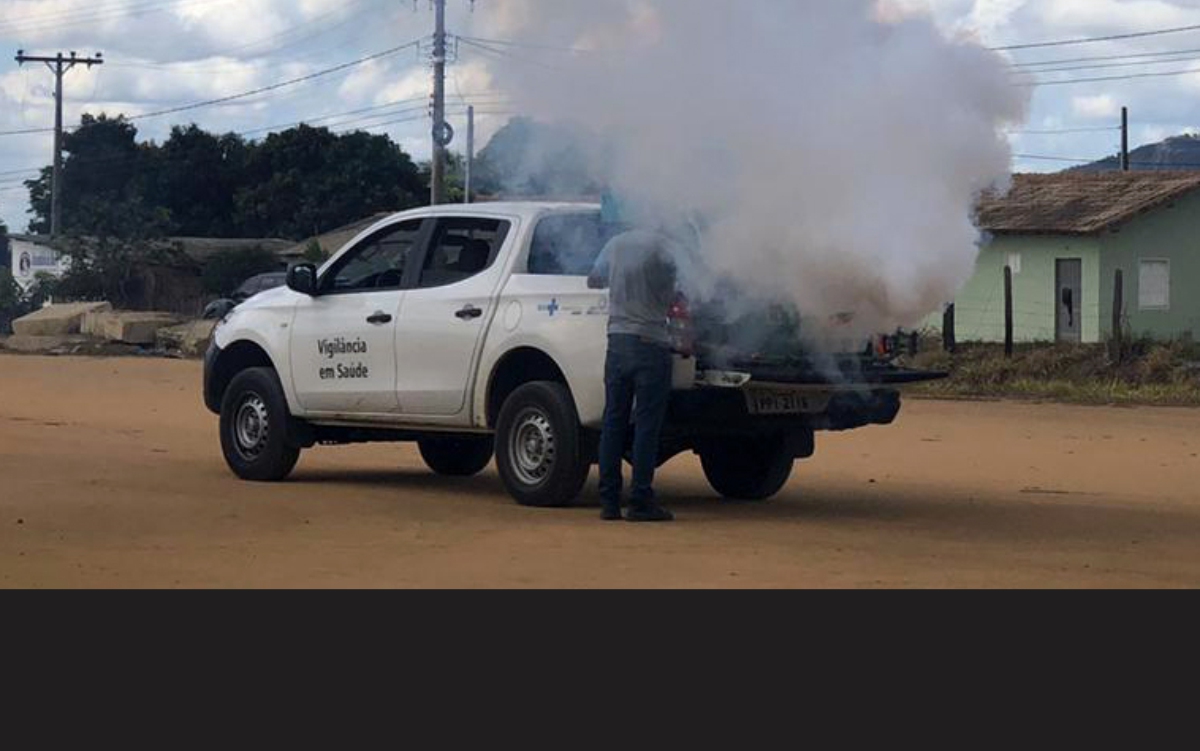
(469,313)
(379,319)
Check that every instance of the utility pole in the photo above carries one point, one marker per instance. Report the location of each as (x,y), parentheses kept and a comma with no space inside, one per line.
(443,134)
(470,153)
(1124,139)
(58,65)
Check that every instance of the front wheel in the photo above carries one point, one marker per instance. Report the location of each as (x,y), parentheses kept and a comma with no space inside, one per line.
(751,470)
(457,457)
(254,420)
(539,446)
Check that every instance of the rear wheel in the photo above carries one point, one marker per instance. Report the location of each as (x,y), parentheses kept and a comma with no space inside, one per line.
(539,448)
(751,470)
(457,457)
(254,422)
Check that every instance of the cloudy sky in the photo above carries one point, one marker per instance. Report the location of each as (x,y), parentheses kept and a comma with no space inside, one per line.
(163,54)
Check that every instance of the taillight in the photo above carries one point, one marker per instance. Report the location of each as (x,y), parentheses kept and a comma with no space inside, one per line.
(679,321)
(679,310)
(884,346)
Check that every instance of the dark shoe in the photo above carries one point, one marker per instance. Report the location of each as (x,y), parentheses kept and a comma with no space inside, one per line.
(611,514)
(650,513)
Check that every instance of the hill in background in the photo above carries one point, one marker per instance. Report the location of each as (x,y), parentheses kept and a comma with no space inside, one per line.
(1177,153)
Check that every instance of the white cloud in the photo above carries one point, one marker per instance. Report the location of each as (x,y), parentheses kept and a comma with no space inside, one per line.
(1095,107)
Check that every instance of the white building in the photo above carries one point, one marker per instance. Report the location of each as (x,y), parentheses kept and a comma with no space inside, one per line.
(32,256)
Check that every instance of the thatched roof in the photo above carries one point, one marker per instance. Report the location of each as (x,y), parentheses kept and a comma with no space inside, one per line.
(1074,203)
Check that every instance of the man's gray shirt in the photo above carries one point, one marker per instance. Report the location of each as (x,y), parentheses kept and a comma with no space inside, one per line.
(641,283)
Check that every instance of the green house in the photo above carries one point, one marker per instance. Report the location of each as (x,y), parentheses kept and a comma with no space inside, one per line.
(1066,236)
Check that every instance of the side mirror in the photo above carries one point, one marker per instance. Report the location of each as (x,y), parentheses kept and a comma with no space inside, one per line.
(302,278)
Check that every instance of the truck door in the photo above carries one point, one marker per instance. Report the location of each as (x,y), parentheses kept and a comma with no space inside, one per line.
(344,340)
(445,315)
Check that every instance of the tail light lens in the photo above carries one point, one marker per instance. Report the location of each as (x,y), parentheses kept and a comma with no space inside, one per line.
(884,346)
(679,322)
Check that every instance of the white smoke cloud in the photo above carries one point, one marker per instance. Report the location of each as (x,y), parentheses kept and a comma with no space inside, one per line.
(836,146)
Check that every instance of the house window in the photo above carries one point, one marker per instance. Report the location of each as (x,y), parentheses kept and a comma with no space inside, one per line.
(1014,263)
(1154,285)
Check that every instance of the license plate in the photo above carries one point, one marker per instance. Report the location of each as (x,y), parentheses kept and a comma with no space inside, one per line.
(783,403)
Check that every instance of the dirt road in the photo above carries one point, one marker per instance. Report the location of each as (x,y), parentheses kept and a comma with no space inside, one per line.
(110,476)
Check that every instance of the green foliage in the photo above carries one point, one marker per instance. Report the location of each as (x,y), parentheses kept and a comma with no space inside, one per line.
(306,181)
(293,184)
(226,271)
(12,302)
(10,291)
(108,268)
(314,253)
(5,247)
(1150,373)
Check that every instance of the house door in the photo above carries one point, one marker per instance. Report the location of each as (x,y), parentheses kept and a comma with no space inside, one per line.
(1069,300)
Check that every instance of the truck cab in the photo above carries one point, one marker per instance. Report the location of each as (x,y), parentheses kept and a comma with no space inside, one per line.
(472,331)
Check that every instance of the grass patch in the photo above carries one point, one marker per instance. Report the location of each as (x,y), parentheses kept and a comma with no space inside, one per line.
(1148,373)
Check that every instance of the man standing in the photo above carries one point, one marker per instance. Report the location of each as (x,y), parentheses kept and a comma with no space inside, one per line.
(639,271)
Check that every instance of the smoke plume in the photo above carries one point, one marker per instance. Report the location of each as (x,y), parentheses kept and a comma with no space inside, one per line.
(834,148)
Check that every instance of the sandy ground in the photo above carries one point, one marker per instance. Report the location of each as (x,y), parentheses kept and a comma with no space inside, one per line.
(111,476)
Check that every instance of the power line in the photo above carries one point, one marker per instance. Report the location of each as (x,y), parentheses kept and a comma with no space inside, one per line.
(1105,58)
(1102,66)
(1040,158)
(503,43)
(275,86)
(55,22)
(1065,131)
(191,66)
(506,54)
(244,94)
(1129,77)
(25,132)
(1115,159)
(1093,40)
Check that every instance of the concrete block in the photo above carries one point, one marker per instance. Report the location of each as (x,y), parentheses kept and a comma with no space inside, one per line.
(43,345)
(189,339)
(90,324)
(57,320)
(134,328)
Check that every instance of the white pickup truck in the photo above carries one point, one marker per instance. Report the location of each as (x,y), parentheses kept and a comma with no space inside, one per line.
(472,331)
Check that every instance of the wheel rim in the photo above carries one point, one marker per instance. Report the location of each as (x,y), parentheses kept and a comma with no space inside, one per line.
(533,447)
(251,427)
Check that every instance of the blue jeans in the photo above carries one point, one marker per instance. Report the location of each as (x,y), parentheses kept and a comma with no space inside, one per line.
(641,370)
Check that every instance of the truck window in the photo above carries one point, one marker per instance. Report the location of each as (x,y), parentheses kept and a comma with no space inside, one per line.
(462,248)
(569,244)
(378,263)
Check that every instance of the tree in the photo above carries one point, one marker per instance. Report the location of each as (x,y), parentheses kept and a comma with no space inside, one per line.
(293,184)
(529,158)
(12,299)
(306,181)
(195,176)
(5,247)
(104,168)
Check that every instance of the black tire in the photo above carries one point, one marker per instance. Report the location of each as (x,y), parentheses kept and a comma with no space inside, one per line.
(539,446)
(457,457)
(254,427)
(750,470)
